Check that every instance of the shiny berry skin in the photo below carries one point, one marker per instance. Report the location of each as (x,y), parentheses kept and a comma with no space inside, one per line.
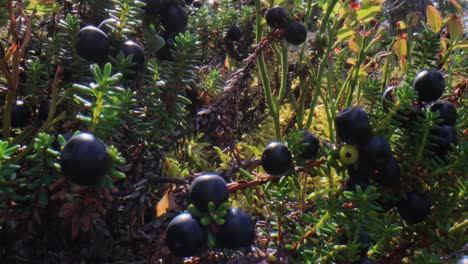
(174,19)
(185,236)
(276,17)
(376,151)
(295,33)
(441,139)
(447,112)
(20,114)
(352,125)
(136,51)
(414,208)
(155,7)
(84,159)
(390,173)
(234,33)
(276,159)
(349,154)
(208,188)
(430,85)
(389,98)
(92,44)
(238,230)
(311,145)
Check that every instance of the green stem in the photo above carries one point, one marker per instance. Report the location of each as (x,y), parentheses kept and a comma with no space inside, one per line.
(97,111)
(284,70)
(272,103)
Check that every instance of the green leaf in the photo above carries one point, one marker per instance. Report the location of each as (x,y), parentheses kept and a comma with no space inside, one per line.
(205,221)
(42,6)
(211,240)
(434,19)
(365,14)
(455,26)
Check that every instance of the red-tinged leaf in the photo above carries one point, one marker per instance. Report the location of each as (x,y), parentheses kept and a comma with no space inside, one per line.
(351,61)
(455,26)
(400,47)
(434,18)
(457,6)
(355,43)
(413,18)
(401,24)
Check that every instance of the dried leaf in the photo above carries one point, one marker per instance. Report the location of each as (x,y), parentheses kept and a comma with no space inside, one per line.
(167,202)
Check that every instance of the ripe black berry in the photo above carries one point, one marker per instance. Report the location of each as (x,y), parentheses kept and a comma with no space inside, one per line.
(390,174)
(197,4)
(208,188)
(447,112)
(441,139)
(234,33)
(84,159)
(352,125)
(20,114)
(43,110)
(414,208)
(174,19)
(92,44)
(430,85)
(295,33)
(184,236)
(238,230)
(311,145)
(276,159)
(376,151)
(276,17)
(136,51)
(164,53)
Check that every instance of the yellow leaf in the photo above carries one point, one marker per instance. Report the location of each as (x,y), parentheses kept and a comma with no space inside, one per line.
(365,14)
(434,19)
(400,47)
(355,43)
(167,202)
(413,19)
(42,6)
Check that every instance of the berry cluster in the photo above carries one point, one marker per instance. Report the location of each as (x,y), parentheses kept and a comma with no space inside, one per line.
(93,44)
(294,31)
(430,86)
(209,221)
(369,157)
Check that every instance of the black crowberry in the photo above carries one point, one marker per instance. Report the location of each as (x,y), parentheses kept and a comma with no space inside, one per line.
(208,188)
(276,17)
(441,139)
(447,112)
(430,85)
(415,208)
(174,19)
(352,125)
(376,151)
(310,143)
(390,173)
(185,236)
(238,230)
(295,33)
(234,33)
(84,159)
(276,159)
(20,114)
(92,44)
(138,54)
